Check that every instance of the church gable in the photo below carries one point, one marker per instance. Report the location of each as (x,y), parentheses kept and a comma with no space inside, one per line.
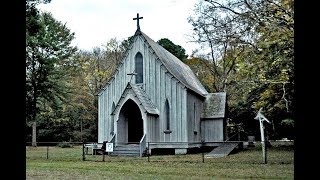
(140,96)
(144,53)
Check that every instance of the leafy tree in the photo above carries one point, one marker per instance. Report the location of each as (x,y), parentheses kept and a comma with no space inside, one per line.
(125,44)
(201,69)
(176,50)
(92,70)
(48,52)
(256,37)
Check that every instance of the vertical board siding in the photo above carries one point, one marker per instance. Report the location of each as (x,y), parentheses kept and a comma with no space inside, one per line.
(99,117)
(174,127)
(212,130)
(171,111)
(193,124)
(178,113)
(151,79)
(106,116)
(146,75)
(162,101)
(103,115)
(159,86)
(184,115)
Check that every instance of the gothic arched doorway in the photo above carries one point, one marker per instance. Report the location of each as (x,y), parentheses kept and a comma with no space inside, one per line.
(130,125)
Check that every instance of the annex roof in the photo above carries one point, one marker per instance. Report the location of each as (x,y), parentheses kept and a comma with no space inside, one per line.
(214,106)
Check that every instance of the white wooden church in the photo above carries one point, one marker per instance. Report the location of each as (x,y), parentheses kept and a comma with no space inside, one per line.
(154,99)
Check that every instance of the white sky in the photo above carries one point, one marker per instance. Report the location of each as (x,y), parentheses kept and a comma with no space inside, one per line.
(94,22)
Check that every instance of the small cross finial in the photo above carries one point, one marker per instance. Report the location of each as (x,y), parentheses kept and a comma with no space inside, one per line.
(137,18)
(131,74)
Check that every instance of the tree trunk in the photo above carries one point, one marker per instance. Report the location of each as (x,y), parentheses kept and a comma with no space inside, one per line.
(34,134)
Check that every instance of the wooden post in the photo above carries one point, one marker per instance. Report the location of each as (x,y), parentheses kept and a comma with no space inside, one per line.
(47,151)
(83,152)
(260,117)
(34,134)
(238,129)
(103,149)
(202,147)
(263,143)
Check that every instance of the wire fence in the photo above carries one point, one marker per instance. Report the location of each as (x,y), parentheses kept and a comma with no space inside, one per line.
(155,152)
(91,151)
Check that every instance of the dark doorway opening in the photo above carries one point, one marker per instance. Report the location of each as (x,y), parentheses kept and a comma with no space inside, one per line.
(135,123)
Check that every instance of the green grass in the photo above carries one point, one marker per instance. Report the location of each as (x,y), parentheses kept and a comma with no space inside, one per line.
(66,163)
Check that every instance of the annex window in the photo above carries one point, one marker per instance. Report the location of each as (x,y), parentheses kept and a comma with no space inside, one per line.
(194,119)
(139,68)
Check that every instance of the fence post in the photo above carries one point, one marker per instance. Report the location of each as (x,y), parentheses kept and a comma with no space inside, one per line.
(47,151)
(202,147)
(83,152)
(103,149)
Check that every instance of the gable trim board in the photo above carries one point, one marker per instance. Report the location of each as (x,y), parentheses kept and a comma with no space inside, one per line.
(142,100)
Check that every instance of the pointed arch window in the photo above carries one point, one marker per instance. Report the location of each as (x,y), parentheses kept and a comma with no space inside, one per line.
(112,119)
(139,68)
(167,116)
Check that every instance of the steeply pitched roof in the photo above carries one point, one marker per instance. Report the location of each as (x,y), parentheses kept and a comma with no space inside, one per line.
(176,67)
(142,97)
(214,105)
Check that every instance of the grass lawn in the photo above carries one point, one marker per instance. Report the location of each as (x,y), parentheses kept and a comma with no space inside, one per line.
(66,163)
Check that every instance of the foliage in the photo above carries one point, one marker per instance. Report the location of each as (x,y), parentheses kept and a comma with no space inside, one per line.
(65,145)
(250,45)
(174,49)
(200,67)
(48,52)
(125,44)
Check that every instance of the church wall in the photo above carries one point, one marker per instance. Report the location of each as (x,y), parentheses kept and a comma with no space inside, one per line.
(183,100)
(194,106)
(159,85)
(212,130)
(153,129)
(100,119)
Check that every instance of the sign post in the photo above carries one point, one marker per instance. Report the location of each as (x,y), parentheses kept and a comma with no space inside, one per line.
(260,117)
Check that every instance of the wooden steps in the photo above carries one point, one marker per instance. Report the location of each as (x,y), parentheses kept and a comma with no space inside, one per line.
(132,150)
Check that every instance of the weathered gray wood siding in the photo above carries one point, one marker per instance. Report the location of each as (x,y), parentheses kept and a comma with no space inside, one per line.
(153,129)
(159,85)
(194,106)
(212,130)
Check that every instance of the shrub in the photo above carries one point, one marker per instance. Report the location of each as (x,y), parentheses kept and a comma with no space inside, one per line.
(64,145)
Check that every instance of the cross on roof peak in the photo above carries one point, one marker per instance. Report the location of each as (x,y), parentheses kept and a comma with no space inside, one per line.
(137,18)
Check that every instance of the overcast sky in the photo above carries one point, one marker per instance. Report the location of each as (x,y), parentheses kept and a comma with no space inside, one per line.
(96,21)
